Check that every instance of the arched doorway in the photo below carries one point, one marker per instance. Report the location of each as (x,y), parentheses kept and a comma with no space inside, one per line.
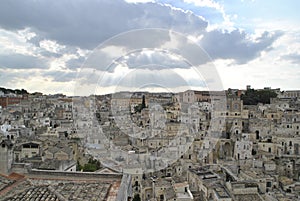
(227,150)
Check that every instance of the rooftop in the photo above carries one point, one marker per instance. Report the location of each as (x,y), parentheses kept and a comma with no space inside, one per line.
(221,192)
(4,182)
(248,197)
(61,187)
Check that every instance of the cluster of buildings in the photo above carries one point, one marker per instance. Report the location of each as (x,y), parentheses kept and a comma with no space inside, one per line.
(193,145)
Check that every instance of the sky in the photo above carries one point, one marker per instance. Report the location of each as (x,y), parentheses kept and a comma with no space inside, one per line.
(83,47)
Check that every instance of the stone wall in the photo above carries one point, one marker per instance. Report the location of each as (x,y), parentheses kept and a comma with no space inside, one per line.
(72,175)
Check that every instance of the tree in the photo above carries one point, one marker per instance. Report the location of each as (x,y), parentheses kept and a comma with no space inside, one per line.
(79,167)
(253,97)
(136,197)
(91,166)
(143,102)
(141,106)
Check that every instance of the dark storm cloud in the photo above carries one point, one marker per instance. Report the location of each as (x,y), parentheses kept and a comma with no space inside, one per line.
(20,61)
(173,50)
(235,45)
(86,24)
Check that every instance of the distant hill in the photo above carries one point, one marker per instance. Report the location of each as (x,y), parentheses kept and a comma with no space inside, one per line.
(13,91)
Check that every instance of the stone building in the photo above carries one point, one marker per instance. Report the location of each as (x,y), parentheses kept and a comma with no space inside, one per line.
(6,156)
(243,150)
(27,150)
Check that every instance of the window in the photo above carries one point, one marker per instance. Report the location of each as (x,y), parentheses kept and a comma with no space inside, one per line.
(257,134)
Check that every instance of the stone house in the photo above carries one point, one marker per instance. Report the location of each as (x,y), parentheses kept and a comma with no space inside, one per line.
(27,150)
(6,156)
(243,150)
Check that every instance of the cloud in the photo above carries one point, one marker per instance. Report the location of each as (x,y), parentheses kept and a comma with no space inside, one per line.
(20,61)
(57,37)
(237,45)
(60,76)
(16,52)
(143,77)
(139,1)
(292,57)
(75,63)
(36,80)
(154,60)
(9,76)
(80,24)
(137,79)
(87,24)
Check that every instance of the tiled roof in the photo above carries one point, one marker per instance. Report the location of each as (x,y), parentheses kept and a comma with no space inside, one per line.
(248,197)
(41,188)
(4,182)
(34,193)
